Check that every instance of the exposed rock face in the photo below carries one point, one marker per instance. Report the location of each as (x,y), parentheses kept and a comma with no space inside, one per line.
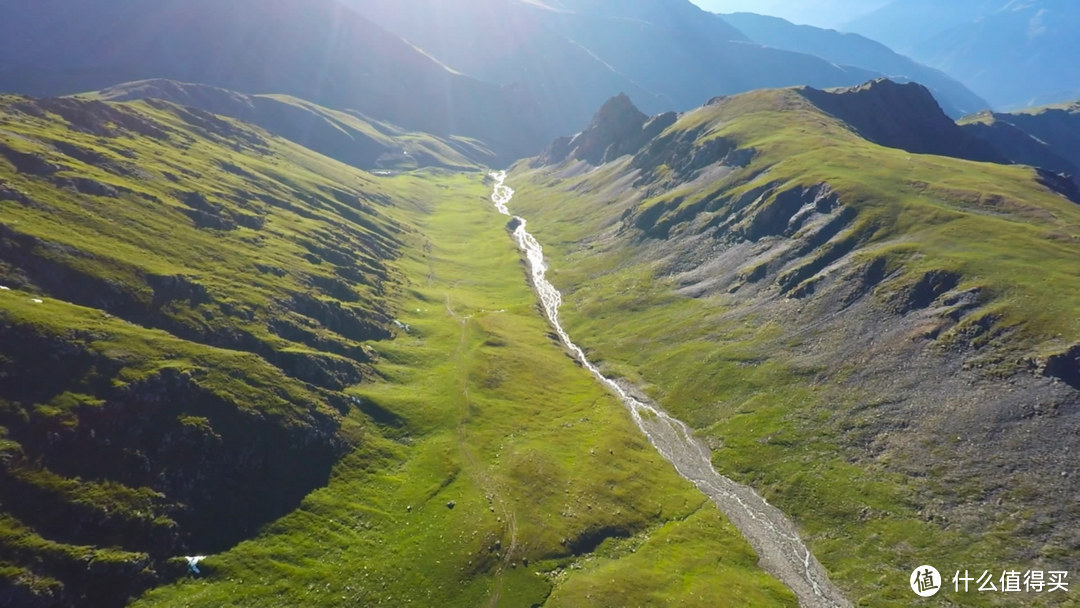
(904,116)
(619,128)
(684,154)
(614,131)
(1064,184)
(1065,367)
(27,163)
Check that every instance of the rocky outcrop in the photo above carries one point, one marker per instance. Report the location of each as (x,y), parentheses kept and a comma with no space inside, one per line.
(618,129)
(904,116)
(25,162)
(685,152)
(1064,366)
(1065,184)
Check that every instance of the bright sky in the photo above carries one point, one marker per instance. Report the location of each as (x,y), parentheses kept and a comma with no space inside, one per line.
(822,13)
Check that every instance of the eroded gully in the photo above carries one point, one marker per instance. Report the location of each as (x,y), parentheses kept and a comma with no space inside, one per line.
(780,550)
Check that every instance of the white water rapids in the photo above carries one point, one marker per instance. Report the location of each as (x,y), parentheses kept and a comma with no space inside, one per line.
(780,550)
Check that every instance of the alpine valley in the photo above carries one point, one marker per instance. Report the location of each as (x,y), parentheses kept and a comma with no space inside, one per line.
(528,303)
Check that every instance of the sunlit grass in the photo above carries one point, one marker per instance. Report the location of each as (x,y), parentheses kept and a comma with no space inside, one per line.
(730,372)
(534,456)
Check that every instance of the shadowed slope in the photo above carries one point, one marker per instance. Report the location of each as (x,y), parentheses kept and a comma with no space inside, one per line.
(904,116)
(1046,137)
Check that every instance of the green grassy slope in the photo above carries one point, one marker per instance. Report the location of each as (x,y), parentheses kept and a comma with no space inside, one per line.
(514,479)
(883,343)
(202,323)
(184,299)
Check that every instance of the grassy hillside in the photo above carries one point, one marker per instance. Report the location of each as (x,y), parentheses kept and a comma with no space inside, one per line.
(511,479)
(336,385)
(883,343)
(183,299)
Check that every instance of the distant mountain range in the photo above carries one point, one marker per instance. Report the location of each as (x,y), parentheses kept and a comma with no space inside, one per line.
(350,137)
(571,55)
(853,49)
(512,73)
(665,54)
(820,13)
(516,73)
(314,49)
(1015,54)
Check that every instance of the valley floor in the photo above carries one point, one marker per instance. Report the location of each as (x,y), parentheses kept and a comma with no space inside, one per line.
(510,477)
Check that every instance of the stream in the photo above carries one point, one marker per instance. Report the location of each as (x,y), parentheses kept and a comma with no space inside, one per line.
(780,550)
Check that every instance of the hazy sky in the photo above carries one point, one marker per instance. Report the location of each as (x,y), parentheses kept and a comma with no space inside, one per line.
(822,13)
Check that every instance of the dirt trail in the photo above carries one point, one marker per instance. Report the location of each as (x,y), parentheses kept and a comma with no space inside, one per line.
(780,550)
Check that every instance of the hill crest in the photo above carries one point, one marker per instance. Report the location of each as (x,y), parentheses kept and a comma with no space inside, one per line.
(904,116)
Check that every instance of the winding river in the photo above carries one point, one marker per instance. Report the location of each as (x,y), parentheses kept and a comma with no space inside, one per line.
(780,550)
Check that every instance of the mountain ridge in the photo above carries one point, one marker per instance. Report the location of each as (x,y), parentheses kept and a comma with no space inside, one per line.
(1047,137)
(320,51)
(1015,54)
(674,61)
(904,116)
(854,49)
(351,138)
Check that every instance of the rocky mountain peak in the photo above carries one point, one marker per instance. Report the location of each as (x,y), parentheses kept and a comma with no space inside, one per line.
(618,110)
(613,131)
(896,115)
(618,128)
